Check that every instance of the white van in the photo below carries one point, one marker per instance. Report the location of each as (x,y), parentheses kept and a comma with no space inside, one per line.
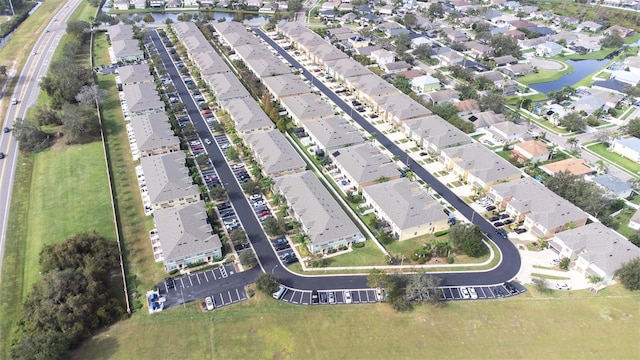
(278,294)
(14,101)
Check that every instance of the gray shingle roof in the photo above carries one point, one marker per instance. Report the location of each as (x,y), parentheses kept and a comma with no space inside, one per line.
(482,162)
(307,107)
(437,131)
(334,132)
(274,152)
(321,216)
(405,203)
(600,245)
(247,115)
(184,231)
(365,163)
(286,85)
(153,131)
(167,177)
(136,73)
(142,97)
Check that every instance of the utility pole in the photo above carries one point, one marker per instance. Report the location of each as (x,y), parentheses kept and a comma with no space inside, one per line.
(12,10)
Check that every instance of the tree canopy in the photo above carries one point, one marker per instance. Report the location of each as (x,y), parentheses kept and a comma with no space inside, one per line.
(505,45)
(629,274)
(573,122)
(71,299)
(468,238)
(64,81)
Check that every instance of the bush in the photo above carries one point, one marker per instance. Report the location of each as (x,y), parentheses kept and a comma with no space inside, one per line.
(441,233)
(174,271)
(450,260)
(564,263)
(267,283)
(358,245)
(196,264)
(332,251)
(343,248)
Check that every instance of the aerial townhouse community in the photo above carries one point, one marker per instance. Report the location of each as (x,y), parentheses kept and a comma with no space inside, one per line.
(483,164)
(182,235)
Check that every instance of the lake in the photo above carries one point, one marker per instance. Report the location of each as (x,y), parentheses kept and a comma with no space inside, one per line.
(581,68)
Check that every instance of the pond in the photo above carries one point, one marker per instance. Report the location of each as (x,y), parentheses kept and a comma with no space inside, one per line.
(581,69)
(161,17)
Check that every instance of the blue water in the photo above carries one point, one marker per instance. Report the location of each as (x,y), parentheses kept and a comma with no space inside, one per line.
(581,68)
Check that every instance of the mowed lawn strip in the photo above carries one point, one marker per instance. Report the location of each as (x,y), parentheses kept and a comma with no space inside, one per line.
(527,326)
(69,194)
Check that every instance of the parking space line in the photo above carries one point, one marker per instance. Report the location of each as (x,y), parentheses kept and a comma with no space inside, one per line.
(205,276)
(238,293)
(198,277)
(221,299)
(214,275)
(182,282)
(367,293)
(231,298)
(483,293)
(189,277)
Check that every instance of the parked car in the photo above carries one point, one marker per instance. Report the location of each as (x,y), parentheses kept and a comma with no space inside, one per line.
(209,303)
(347,297)
(465,293)
(170,283)
(508,221)
(314,297)
(498,224)
(332,298)
(494,218)
(503,216)
(562,286)
(510,287)
(498,292)
(520,230)
(323,297)
(473,293)
(490,208)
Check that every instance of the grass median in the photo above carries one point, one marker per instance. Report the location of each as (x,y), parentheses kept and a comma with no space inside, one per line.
(527,326)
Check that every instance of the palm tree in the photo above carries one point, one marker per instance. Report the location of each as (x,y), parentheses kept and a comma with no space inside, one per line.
(573,142)
(601,166)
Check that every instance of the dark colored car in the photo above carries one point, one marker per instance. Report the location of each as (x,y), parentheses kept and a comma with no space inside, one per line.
(1,155)
(503,216)
(490,208)
(494,218)
(521,230)
(280,247)
(170,283)
(279,241)
(498,224)
(502,233)
(498,291)
(323,297)
(314,297)
(507,221)
(511,288)
(5,129)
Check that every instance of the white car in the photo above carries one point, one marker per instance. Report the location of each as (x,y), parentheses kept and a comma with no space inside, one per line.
(465,293)
(379,294)
(347,297)
(472,292)
(209,302)
(207,141)
(562,286)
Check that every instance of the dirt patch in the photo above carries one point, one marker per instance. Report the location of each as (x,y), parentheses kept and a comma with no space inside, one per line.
(544,64)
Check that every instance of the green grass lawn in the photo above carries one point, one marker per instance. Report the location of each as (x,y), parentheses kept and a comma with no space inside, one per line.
(615,158)
(621,222)
(261,328)
(369,255)
(543,75)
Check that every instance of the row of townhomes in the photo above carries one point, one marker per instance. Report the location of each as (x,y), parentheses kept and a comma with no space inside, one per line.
(408,210)
(183,235)
(542,212)
(323,220)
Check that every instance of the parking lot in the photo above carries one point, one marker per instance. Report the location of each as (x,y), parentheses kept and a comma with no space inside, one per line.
(221,283)
(482,292)
(303,297)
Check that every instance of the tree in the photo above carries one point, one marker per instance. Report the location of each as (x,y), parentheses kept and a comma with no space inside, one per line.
(402,83)
(564,263)
(466,91)
(573,141)
(573,122)
(377,278)
(238,236)
(44,115)
(3,70)
(248,258)
(436,10)
(468,238)
(633,127)
(64,80)
(81,30)
(629,274)
(402,44)
(274,226)
(51,345)
(423,288)
(31,138)
(505,45)
(635,238)
(563,94)
(633,91)
(80,123)
(492,101)
(232,153)
(294,5)
(410,20)
(603,137)
(267,283)
(541,285)
(612,40)
(422,52)
(90,94)
(251,187)
(148,18)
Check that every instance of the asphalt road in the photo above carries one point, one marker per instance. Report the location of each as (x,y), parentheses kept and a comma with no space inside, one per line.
(27,91)
(266,254)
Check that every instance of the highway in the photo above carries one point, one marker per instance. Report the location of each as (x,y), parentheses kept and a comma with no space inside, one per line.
(26,92)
